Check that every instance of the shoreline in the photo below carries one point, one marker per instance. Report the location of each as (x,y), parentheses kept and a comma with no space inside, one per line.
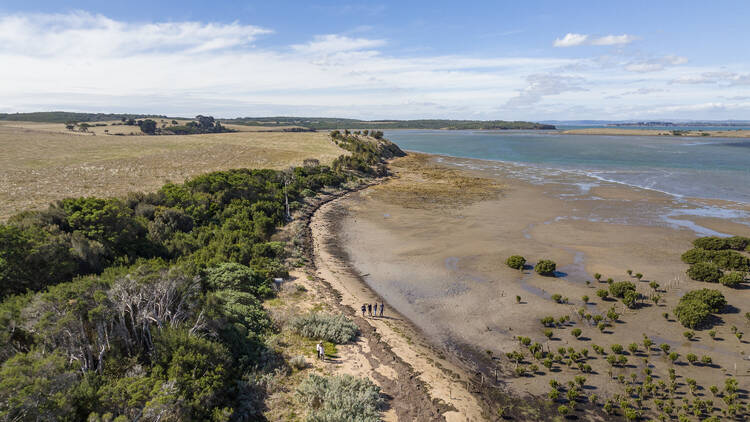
(443,380)
(589,174)
(705,208)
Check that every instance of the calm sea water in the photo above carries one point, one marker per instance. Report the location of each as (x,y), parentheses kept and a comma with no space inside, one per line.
(716,168)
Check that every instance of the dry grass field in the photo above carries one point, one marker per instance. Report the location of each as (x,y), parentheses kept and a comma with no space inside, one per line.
(43,162)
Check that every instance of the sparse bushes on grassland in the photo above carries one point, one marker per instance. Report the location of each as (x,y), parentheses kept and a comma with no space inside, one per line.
(334,328)
(340,398)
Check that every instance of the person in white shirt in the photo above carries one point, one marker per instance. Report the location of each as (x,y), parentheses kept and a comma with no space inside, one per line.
(321,350)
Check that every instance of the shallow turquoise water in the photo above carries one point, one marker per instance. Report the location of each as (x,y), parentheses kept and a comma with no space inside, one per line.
(717,168)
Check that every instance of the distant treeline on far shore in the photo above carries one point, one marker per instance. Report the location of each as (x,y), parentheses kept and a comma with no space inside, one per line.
(315,123)
(326,123)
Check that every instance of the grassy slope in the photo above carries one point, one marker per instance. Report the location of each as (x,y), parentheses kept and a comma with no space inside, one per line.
(42,164)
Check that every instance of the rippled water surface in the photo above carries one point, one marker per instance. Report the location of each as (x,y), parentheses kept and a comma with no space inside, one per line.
(716,168)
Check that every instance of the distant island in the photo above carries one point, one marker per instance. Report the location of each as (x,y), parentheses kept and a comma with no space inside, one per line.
(302,123)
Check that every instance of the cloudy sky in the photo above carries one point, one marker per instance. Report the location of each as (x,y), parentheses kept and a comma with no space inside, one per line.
(532,60)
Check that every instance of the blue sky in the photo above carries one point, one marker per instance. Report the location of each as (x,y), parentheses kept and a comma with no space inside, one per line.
(533,60)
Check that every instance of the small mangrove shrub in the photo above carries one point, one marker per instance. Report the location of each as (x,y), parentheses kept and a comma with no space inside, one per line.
(546,267)
(516,262)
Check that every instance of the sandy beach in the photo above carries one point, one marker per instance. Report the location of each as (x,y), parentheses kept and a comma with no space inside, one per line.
(445,382)
(432,242)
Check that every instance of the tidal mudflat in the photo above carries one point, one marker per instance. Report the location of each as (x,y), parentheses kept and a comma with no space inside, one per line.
(433,242)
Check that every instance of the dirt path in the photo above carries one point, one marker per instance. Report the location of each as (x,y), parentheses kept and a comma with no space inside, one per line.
(422,385)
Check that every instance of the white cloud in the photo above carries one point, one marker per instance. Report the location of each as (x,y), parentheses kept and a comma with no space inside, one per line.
(643,91)
(333,43)
(542,85)
(572,40)
(86,62)
(614,40)
(721,77)
(84,35)
(655,64)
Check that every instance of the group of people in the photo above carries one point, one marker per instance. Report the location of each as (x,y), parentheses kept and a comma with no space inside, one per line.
(372,310)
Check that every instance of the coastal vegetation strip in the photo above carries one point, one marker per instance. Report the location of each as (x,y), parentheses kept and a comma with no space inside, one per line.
(158,294)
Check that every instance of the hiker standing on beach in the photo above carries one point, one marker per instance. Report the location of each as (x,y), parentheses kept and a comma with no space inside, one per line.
(375,309)
(321,350)
(369,308)
(364,308)
(382,306)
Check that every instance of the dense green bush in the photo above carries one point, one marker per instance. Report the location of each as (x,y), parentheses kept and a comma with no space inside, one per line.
(32,258)
(724,259)
(695,307)
(711,243)
(630,298)
(620,288)
(705,271)
(733,279)
(37,386)
(334,328)
(738,243)
(340,398)
(230,275)
(545,267)
(211,219)
(695,255)
(692,314)
(516,262)
(713,298)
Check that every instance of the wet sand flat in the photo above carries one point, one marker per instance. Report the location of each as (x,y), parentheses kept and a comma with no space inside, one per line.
(433,243)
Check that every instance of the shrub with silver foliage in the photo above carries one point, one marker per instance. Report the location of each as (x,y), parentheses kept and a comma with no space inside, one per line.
(334,328)
(340,398)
